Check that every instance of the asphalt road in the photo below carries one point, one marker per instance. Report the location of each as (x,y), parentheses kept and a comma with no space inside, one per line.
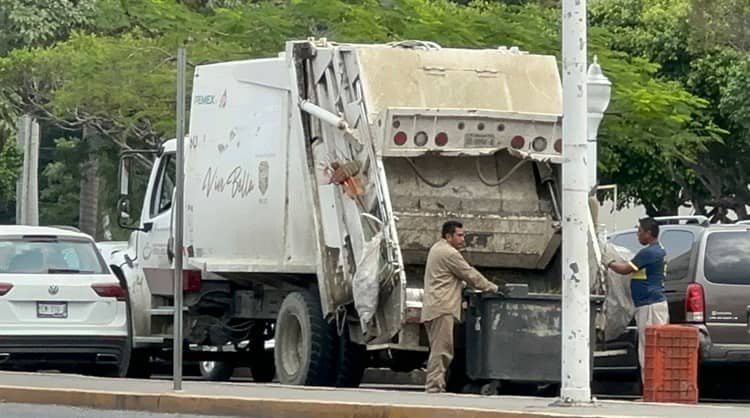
(15,410)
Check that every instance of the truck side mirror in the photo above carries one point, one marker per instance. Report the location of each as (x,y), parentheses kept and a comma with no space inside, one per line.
(124,174)
(131,161)
(123,213)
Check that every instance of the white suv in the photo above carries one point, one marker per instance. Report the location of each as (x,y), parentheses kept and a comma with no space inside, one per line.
(60,305)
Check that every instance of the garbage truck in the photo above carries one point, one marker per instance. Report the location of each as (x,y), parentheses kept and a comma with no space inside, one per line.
(316,182)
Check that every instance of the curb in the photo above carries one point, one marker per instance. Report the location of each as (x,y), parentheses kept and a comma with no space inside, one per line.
(253,407)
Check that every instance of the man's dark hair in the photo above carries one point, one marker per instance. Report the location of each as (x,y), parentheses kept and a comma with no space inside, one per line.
(650,225)
(450,227)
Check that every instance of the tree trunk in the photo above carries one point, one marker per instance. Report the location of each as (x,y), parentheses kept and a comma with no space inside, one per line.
(89,195)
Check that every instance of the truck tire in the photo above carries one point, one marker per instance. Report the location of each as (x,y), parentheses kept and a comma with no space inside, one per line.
(351,361)
(216,371)
(304,342)
(262,366)
(404,361)
(140,364)
(456,377)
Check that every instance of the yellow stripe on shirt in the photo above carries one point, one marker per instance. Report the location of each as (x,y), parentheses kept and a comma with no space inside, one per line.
(639,274)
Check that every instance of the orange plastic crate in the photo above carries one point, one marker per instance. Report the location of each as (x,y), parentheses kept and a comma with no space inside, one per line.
(671,369)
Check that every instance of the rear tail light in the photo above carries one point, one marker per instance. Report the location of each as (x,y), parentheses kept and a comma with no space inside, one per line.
(109,290)
(413,315)
(5,288)
(539,144)
(400,138)
(517,142)
(191,281)
(558,146)
(441,139)
(420,139)
(695,305)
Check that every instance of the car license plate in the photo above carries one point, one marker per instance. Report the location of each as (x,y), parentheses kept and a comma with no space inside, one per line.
(52,309)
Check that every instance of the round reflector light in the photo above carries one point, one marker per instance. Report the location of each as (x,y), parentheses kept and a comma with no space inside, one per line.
(400,138)
(539,144)
(420,139)
(517,142)
(558,146)
(441,139)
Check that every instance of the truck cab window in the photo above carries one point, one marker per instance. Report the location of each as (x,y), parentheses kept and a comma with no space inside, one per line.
(161,199)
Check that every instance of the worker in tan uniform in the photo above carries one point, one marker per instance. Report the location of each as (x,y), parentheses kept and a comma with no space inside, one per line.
(445,274)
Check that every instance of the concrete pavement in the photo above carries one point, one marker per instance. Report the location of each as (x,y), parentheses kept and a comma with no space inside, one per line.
(266,401)
(15,410)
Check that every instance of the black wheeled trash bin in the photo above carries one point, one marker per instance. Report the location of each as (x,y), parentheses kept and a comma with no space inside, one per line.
(516,338)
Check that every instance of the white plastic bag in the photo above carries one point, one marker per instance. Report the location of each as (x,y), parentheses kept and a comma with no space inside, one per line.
(618,305)
(365,285)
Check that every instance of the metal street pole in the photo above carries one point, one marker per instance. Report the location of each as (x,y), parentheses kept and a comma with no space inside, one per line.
(178,224)
(576,350)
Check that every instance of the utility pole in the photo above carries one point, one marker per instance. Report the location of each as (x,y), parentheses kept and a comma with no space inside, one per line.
(27,188)
(178,226)
(576,350)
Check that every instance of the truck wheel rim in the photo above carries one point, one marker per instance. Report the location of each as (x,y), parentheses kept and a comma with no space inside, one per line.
(293,343)
(208,366)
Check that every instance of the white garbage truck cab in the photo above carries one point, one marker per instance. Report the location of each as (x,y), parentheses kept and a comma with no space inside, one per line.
(316,182)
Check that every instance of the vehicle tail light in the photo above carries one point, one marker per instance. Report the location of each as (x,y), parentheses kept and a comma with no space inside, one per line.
(539,144)
(413,315)
(109,290)
(5,288)
(400,138)
(420,139)
(695,304)
(558,146)
(517,142)
(441,139)
(191,281)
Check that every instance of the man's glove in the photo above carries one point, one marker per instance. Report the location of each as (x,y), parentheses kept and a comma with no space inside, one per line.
(344,170)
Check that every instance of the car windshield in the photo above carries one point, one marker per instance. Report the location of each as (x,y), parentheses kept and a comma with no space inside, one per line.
(49,255)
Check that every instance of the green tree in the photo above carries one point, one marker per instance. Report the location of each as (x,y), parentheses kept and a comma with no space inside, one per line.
(25,23)
(699,44)
(114,74)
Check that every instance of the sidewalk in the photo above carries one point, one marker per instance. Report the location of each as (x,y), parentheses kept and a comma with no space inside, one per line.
(266,401)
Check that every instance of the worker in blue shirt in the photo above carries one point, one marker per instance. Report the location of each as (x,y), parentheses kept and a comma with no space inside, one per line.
(647,282)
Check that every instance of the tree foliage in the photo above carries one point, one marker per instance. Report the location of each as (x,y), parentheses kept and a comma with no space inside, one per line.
(702,45)
(107,67)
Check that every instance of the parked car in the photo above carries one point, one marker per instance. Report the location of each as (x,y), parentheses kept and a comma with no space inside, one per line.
(677,235)
(707,285)
(709,288)
(60,305)
(109,248)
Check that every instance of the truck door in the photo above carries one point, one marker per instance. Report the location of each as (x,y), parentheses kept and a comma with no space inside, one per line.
(353,213)
(156,220)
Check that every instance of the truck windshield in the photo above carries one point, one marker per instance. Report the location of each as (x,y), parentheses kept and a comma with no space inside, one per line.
(49,256)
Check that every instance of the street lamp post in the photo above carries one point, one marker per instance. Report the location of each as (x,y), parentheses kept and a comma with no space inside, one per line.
(599,90)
